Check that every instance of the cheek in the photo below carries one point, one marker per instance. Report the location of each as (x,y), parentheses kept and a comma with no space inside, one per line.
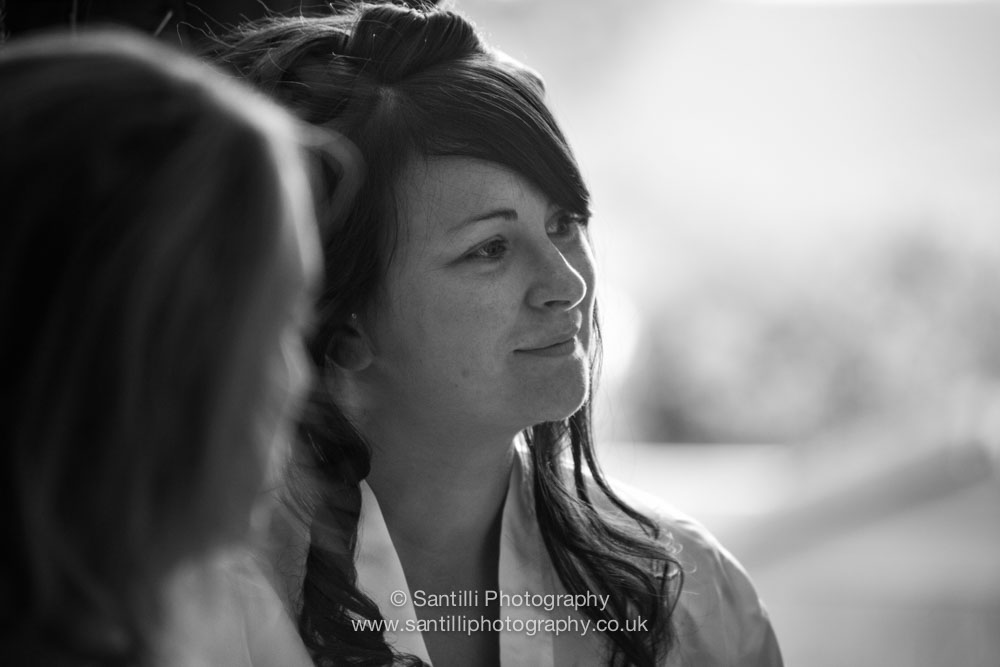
(453,321)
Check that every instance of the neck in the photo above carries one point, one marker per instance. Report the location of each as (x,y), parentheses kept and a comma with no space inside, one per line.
(441,498)
(439,478)
(441,482)
(442,501)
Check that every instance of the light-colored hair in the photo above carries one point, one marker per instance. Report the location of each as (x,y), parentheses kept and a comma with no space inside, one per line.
(141,201)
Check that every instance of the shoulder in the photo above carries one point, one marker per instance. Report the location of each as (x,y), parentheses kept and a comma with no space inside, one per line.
(695,547)
(719,618)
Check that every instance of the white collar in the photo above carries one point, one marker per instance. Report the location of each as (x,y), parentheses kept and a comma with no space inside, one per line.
(719,618)
(524,568)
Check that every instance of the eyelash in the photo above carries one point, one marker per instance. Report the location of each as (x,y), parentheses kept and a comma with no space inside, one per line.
(568,223)
(481,251)
(569,219)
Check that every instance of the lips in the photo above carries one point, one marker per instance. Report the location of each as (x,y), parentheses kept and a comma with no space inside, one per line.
(552,341)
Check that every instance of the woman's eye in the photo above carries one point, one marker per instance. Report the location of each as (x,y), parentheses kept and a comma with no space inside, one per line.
(566,223)
(492,249)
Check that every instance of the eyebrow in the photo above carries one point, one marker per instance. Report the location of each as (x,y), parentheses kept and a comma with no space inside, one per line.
(502,213)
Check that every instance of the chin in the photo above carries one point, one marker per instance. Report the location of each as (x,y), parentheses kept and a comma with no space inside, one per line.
(562,401)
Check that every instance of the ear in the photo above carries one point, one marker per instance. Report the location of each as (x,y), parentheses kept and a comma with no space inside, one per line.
(349,348)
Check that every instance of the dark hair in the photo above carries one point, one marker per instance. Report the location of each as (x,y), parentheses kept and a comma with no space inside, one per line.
(143,200)
(400,83)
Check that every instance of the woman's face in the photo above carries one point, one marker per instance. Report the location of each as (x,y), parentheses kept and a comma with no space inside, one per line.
(485,316)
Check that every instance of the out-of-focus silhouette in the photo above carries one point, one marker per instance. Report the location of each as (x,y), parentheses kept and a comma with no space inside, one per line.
(156,271)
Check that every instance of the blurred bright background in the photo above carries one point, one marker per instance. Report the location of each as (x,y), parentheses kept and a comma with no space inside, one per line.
(797,222)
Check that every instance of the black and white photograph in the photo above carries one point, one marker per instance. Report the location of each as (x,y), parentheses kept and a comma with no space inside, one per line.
(500,333)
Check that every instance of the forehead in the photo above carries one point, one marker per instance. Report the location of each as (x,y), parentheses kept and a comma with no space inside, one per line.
(435,194)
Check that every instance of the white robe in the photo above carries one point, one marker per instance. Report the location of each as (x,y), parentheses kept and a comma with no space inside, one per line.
(719,619)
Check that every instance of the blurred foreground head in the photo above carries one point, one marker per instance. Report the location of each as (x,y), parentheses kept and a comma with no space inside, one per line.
(158,252)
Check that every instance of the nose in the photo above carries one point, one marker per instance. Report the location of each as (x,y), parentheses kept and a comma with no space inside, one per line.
(561,281)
